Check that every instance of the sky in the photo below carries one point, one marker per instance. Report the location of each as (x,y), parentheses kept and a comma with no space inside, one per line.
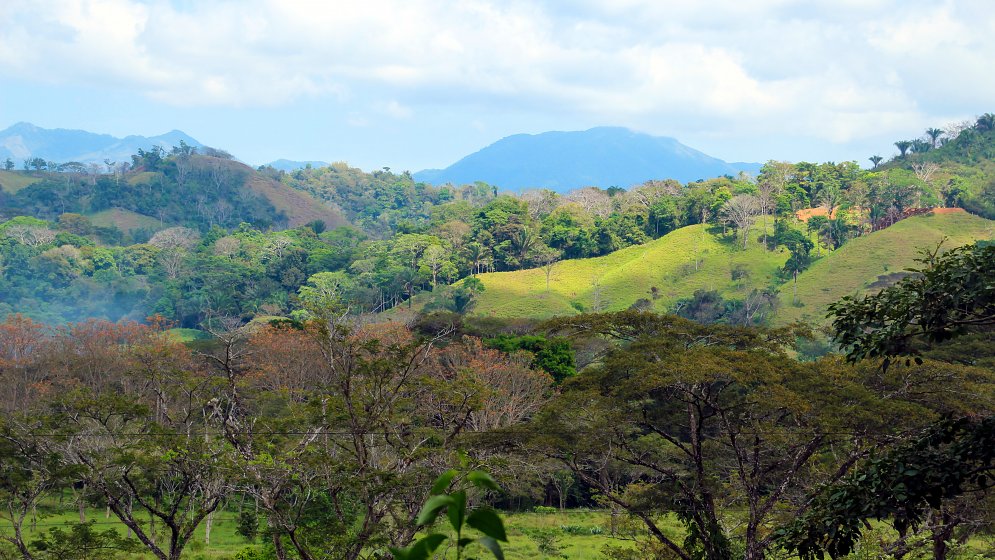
(415,84)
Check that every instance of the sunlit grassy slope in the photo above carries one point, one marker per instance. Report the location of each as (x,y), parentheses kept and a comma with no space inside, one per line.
(872,261)
(13,181)
(617,280)
(125,220)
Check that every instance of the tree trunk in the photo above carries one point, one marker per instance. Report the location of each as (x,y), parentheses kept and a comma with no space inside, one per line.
(82,505)
(207,528)
(281,554)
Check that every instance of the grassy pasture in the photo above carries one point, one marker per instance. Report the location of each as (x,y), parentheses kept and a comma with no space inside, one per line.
(578,535)
(13,181)
(574,534)
(874,261)
(677,264)
(124,220)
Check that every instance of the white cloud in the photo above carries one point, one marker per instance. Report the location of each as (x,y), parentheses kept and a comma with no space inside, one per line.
(829,69)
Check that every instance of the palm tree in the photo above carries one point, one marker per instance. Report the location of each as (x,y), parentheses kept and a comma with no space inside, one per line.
(903,146)
(920,146)
(934,135)
(523,242)
(986,122)
(875,160)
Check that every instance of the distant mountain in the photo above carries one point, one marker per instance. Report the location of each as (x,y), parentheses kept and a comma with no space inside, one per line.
(603,157)
(26,141)
(291,165)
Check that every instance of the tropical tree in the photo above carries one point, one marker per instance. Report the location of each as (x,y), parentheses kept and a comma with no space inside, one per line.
(953,293)
(919,146)
(903,146)
(934,135)
(875,160)
(711,424)
(986,122)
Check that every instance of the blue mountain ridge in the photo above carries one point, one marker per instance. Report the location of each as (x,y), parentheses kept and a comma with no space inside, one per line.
(602,157)
(24,141)
(294,165)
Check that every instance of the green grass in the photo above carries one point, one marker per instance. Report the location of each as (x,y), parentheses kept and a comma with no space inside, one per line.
(125,220)
(13,181)
(188,335)
(571,533)
(575,542)
(225,542)
(142,178)
(872,261)
(622,277)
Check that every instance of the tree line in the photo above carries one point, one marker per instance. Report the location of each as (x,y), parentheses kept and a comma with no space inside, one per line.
(335,427)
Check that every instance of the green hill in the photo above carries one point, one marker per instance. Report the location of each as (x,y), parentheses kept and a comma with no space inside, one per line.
(617,280)
(875,261)
(196,191)
(13,181)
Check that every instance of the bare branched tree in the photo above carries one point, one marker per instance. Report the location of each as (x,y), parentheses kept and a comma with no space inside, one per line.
(740,210)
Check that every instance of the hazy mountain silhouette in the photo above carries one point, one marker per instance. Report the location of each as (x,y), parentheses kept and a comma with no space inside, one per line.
(26,141)
(603,157)
(294,165)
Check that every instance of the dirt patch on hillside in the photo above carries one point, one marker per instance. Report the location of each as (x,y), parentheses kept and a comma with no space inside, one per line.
(807,213)
(300,207)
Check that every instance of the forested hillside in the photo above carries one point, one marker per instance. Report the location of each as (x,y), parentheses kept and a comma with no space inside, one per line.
(268,365)
(190,234)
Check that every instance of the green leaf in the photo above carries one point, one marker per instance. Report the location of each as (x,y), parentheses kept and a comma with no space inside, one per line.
(400,553)
(493,546)
(432,508)
(457,510)
(424,548)
(488,522)
(480,479)
(442,483)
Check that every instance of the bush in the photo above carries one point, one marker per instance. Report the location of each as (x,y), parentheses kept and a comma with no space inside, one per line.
(251,553)
(248,525)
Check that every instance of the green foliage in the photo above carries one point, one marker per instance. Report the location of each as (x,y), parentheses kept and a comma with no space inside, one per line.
(552,355)
(546,542)
(83,542)
(953,457)
(248,525)
(708,306)
(484,520)
(953,293)
(856,267)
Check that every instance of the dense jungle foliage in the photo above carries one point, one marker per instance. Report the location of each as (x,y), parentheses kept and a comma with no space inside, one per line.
(197,242)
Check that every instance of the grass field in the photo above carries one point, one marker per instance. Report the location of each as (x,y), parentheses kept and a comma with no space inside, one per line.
(141,178)
(188,335)
(579,535)
(874,261)
(572,534)
(124,220)
(617,280)
(13,181)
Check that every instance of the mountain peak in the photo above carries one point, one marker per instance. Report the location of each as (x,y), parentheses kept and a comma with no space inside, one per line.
(24,140)
(603,156)
(22,126)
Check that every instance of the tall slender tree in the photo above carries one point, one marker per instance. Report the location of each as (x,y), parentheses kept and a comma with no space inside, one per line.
(934,135)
